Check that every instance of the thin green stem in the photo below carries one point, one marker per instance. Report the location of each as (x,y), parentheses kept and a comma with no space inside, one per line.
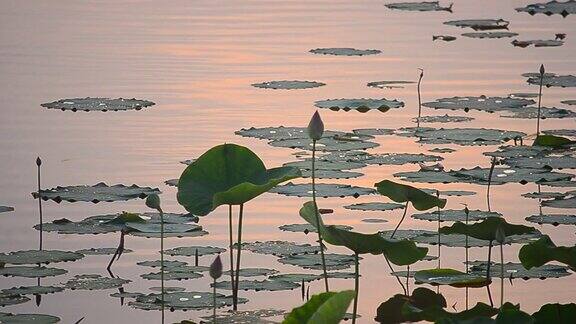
(162,258)
(214,301)
(539,104)
(318,216)
(397,278)
(231,245)
(40,210)
(501,274)
(408,278)
(238,253)
(488,273)
(356,288)
(492,165)
(401,220)
(419,99)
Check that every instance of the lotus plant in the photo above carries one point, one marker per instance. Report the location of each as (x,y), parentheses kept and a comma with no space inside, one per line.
(419,98)
(215,274)
(232,175)
(153,201)
(315,132)
(542,72)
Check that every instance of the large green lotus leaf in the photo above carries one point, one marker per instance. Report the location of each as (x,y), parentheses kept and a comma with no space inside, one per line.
(227,174)
(543,251)
(486,229)
(551,141)
(193,250)
(402,308)
(399,252)
(555,313)
(28,318)
(326,308)
(403,193)
(450,277)
(409,312)
(511,314)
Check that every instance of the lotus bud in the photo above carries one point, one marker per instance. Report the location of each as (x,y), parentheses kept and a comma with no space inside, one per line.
(216,268)
(153,201)
(500,235)
(315,127)
(38,161)
(542,70)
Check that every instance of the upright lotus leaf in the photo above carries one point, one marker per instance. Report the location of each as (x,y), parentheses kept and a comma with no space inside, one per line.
(399,252)
(227,174)
(543,251)
(486,230)
(403,193)
(325,308)
(555,313)
(510,313)
(402,308)
(551,141)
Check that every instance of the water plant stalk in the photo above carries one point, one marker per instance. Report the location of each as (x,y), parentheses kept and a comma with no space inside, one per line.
(401,220)
(488,272)
(214,302)
(238,254)
(492,165)
(439,243)
(419,98)
(356,287)
(231,245)
(318,216)
(467,212)
(501,274)
(397,277)
(162,258)
(542,71)
(408,279)
(38,164)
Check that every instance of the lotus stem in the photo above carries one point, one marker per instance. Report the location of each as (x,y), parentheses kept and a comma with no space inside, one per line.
(231,245)
(401,220)
(439,242)
(397,278)
(318,216)
(38,164)
(488,273)
(238,253)
(356,288)
(162,258)
(117,253)
(539,99)
(492,165)
(419,98)
(408,278)
(501,274)
(214,301)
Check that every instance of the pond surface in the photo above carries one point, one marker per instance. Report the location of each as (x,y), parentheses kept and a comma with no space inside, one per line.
(197,60)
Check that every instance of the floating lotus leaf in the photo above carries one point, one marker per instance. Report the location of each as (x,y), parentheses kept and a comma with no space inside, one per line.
(407,234)
(168,289)
(404,193)
(258,285)
(542,251)
(555,313)
(98,104)
(279,248)
(90,225)
(321,164)
(486,229)
(419,6)
(196,233)
(480,24)
(450,277)
(357,157)
(446,38)
(331,174)
(296,277)
(328,307)
(314,261)
(456,215)
(374,206)
(288,85)
(516,270)
(543,162)
(187,268)
(4,209)
(373,131)
(537,43)
(172,275)
(10,299)
(168,228)
(508,175)
(388,84)
(428,176)
(552,80)
(32,290)
(344,51)
(184,300)
(168,218)
(374,220)
(561,132)
(322,190)
(361,105)
(281,133)
(96,193)
(126,294)
(227,174)
(28,318)
(460,136)
(551,141)
(36,256)
(402,158)
(31,272)
(326,144)
(245,317)
(306,228)
(544,195)
(559,183)
(457,193)
(545,113)
(443,119)
(442,150)
(518,151)
(569,202)
(192,250)
(550,8)
(102,251)
(482,103)
(168,264)
(554,219)
(94,282)
(256,272)
(490,35)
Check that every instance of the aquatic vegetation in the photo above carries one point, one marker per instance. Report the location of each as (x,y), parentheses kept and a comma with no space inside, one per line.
(483,35)
(322,190)
(481,103)
(564,8)
(32,290)
(314,261)
(419,6)
(259,285)
(307,228)
(480,24)
(552,141)
(513,270)
(98,104)
(551,80)
(39,256)
(184,300)
(28,318)
(288,85)
(450,277)
(361,105)
(280,248)
(374,206)
(388,84)
(4,209)
(460,136)
(243,317)
(96,193)
(445,38)
(456,215)
(542,251)
(443,119)
(344,51)
(94,282)
(328,307)
(31,271)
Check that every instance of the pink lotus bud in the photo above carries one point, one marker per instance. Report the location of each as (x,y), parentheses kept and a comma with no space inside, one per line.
(315,127)
(216,268)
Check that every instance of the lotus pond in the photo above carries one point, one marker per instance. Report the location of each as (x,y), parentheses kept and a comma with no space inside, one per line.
(142,141)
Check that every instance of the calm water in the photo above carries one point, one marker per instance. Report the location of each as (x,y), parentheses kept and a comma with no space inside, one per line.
(196,60)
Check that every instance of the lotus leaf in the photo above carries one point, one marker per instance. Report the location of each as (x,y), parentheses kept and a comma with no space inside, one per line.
(280,248)
(98,104)
(94,282)
(344,51)
(442,150)
(508,175)
(374,206)
(193,250)
(545,113)
(374,220)
(258,285)
(331,174)
(450,277)
(321,164)
(10,299)
(288,85)
(552,141)
(328,308)
(36,256)
(537,43)
(569,202)
(461,136)
(322,190)
(28,318)
(486,229)
(490,35)
(388,84)
(559,183)
(373,131)
(31,272)
(168,264)
(307,228)
(154,228)
(102,251)
(32,290)
(184,300)
(402,158)
(555,313)
(404,193)
(419,6)
(126,294)
(458,193)
(327,144)
(172,275)
(90,225)
(180,234)
(96,193)
(296,277)
(227,174)
(554,219)
(452,240)
(482,103)
(4,209)
(561,132)
(550,8)
(256,272)
(280,133)
(545,195)
(408,234)
(518,151)
(314,262)
(543,251)
(456,215)
(245,317)
(480,24)
(361,105)
(516,270)
(552,80)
